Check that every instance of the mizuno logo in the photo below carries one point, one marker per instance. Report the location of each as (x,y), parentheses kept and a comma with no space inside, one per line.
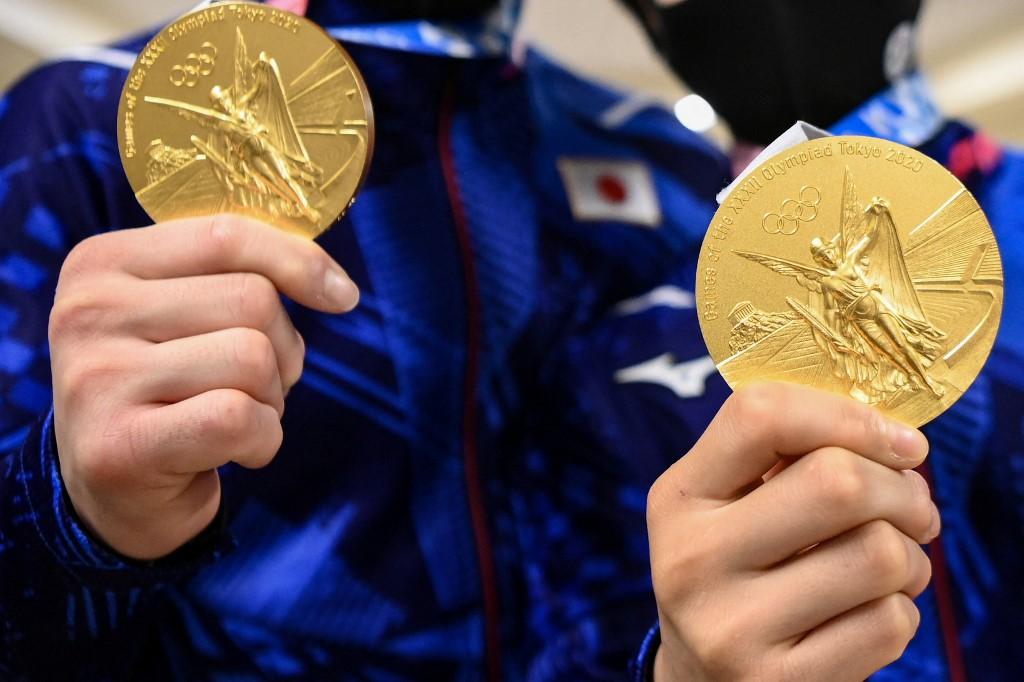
(685,379)
(663,297)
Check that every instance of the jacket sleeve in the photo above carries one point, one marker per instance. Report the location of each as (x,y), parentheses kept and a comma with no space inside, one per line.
(69,606)
(616,405)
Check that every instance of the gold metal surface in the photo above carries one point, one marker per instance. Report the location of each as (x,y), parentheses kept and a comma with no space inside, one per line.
(894,301)
(246,109)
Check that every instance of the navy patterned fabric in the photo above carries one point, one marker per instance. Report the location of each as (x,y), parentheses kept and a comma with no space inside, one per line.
(475,382)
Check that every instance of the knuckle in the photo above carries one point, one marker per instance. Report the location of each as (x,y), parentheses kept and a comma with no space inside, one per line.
(715,660)
(97,464)
(78,312)
(667,496)
(254,354)
(720,647)
(657,499)
(684,570)
(920,498)
(269,444)
(231,415)
(751,414)
(63,318)
(138,440)
(837,477)
(755,407)
(295,269)
(669,586)
(307,267)
(256,300)
(885,554)
(84,381)
(897,622)
(873,425)
(292,362)
(669,575)
(84,256)
(314,258)
(922,571)
(300,352)
(221,236)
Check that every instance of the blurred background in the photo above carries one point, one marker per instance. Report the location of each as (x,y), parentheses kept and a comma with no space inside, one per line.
(972,52)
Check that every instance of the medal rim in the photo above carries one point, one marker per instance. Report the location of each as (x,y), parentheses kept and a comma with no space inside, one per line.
(789,151)
(358,78)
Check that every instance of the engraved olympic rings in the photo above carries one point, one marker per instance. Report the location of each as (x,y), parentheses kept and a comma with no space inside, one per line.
(793,212)
(196,65)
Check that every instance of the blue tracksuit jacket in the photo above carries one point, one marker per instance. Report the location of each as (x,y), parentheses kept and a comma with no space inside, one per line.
(461,490)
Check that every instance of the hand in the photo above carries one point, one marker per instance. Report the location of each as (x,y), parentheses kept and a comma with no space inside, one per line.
(784,545)
(171,355)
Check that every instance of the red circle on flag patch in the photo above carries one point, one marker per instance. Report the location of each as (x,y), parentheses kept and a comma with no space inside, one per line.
(611,188)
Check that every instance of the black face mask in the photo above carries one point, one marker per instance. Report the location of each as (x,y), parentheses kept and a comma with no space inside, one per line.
(399,10)
(764,64)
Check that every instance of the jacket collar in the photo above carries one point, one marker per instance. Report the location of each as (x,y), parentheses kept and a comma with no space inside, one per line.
(905,113)
(356,22)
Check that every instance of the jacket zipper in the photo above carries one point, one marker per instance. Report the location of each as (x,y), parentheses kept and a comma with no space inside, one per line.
(470,454)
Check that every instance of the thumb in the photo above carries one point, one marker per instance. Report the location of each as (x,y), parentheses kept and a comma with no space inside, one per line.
(762,424)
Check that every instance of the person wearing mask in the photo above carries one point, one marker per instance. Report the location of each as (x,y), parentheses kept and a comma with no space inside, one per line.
(851,67)
(458,487)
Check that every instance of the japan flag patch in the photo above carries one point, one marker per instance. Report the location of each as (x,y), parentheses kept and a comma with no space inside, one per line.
(606,190)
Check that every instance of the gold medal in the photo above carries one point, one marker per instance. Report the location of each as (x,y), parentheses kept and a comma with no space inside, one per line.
(854,265)
(246,109)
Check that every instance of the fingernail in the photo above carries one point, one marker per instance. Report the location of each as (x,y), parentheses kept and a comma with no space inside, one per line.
(340,290)
(906,443)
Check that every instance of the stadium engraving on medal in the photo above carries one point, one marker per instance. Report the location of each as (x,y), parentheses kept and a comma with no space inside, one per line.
(246,109)
(894,301)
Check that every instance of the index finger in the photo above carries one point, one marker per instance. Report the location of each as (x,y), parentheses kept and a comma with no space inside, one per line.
(762,423)
(226,243)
